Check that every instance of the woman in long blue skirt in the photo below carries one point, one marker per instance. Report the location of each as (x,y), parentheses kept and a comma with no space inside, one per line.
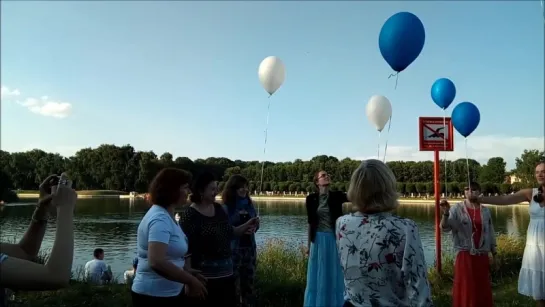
(325,280)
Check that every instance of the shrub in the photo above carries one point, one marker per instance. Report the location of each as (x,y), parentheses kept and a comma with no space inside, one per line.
(281,279)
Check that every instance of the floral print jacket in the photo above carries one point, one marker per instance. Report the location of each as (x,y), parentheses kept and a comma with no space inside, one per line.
(460,223)
(383,261)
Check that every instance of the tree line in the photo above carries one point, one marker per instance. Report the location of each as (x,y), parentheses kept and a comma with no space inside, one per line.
(111,167)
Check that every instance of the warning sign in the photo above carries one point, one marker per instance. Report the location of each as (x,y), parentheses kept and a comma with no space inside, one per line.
(435,134)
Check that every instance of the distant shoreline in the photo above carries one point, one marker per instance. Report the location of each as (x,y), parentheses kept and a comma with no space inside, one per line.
(300,199)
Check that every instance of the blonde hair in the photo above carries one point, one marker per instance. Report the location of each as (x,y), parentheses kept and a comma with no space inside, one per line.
(373,187)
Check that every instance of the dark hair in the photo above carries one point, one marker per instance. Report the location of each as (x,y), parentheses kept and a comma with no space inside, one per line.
(538,198)
(229,193)
(474,186)
(164,189)
(97,252)
(202,180)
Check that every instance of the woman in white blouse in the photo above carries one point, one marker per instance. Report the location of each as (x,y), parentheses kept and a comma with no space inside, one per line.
(381,254)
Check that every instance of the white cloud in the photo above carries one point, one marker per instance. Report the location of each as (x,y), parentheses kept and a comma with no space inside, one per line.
(8,93)
(43,105)
(46,107)
(480,148)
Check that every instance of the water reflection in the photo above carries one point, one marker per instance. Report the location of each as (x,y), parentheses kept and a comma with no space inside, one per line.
(112,223)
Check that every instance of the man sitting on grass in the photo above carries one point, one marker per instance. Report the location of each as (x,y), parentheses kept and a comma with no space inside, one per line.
(97,271)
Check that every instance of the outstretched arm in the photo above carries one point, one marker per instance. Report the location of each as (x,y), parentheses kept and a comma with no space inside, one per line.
(511,199)
(25,275)
(29,246)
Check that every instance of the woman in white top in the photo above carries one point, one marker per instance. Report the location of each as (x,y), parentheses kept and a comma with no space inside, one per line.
(162,246)
(532,272)
(381,254)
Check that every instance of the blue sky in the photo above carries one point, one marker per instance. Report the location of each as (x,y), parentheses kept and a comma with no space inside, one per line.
(182,76)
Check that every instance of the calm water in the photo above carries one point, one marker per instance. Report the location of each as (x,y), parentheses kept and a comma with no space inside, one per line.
(111,224)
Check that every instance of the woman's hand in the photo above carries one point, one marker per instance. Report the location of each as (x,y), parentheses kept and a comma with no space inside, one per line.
(45,190)
(253,222)
(196,288)
(197,274)
(251,225)
(64,197)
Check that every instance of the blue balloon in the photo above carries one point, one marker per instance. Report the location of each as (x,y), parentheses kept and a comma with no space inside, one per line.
(443,92)
(401,40)
(466,118)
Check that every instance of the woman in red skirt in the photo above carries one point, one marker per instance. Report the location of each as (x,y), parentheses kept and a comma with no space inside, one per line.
(474,239)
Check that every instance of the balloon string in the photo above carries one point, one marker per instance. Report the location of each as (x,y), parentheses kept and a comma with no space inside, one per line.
(394,75)
(387,138)
(467,165)
(264,149)
(378,146)
(445,149)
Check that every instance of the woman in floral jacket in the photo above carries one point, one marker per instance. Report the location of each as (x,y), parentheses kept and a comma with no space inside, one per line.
(474,238)
(381,254)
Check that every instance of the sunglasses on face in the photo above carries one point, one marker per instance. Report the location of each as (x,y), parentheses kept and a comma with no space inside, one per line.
(323,176)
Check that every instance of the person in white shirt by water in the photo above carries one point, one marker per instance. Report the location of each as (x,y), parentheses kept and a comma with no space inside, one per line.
(96,270)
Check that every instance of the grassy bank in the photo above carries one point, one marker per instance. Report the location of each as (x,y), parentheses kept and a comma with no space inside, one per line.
(281,282)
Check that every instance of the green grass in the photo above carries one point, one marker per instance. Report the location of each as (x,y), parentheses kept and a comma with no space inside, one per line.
(281,277)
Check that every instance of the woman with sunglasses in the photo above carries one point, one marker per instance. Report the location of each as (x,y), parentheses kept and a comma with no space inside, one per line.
(532,272)
(325,281)
(473,238)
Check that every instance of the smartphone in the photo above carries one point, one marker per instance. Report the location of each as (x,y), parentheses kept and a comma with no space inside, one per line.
(64,180)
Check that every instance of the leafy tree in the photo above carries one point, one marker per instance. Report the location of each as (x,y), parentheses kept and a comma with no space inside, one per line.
(493,171)
(124,168)
(526,165)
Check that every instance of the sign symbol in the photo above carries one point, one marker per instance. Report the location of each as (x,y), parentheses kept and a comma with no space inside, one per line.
(435,134)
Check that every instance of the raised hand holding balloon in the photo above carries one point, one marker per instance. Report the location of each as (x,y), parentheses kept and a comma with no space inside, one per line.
(443,93)
(465,119)
(401,40)
(271,74)
(379,112)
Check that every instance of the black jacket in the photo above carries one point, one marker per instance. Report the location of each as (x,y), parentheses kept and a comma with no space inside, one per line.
(335,203)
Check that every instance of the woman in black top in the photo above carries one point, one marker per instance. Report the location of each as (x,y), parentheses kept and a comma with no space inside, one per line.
(209,234)
(325,280)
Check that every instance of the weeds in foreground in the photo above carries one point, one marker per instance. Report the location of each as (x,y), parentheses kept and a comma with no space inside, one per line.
(281,279)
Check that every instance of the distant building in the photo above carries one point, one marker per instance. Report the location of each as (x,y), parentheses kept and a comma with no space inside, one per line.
(512,179)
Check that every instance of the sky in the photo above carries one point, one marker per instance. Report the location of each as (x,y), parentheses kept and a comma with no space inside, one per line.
(182,77)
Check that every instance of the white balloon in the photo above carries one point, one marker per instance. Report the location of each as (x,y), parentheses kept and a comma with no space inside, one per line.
(379,111)
(272,74)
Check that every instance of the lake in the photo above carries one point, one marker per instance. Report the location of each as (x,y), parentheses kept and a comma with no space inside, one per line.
(111,224)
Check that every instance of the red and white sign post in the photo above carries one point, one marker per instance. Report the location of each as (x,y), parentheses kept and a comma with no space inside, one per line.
(436,134)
